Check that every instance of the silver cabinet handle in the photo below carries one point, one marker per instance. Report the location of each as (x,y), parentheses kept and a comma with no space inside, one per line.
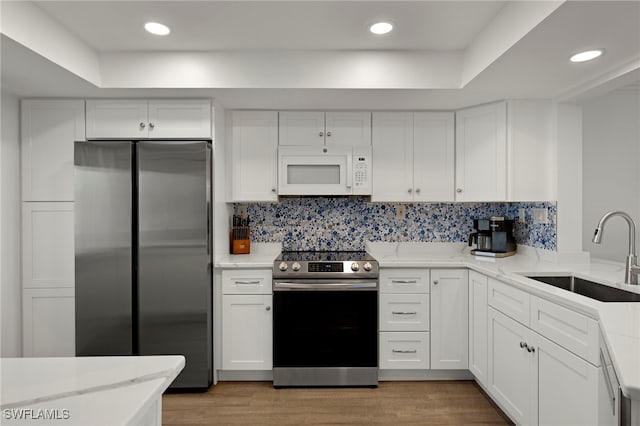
(417,190)
(409,190)
(273,190)
(607,380)
(403,281)
(151,126)
(436,282)
(523,345)
(459,190)
(328,133)
(268,308)
(404,313)
(397,351)
(247,282)
(531,349)
(321,134)
(142,125)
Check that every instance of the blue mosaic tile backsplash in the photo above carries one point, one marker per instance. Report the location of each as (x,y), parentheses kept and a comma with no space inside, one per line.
(320,223)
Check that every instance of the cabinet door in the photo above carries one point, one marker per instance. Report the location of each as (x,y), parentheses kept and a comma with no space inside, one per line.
(174,118)
(301,128)
(478,350)
(47,245)
(48,316)
(481,153)
(247,332)
(117,119)
(49,129)
(254,156)
(567,390)
(433,156)
(348,128)
(392,140)
(449,319)
(512,372)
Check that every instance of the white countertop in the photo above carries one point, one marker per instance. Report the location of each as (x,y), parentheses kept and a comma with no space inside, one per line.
(619,322)
(84,390)
(262,256)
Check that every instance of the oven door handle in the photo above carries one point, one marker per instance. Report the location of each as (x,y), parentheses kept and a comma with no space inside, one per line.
(279,285)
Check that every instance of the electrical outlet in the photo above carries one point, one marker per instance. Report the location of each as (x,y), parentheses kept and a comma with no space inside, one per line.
(242,211)
(401,211)
(521,216)
(540,215)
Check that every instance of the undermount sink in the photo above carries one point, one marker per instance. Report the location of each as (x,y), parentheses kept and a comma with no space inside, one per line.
(588,288)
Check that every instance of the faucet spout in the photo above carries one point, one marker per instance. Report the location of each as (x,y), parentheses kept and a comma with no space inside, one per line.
(632,269)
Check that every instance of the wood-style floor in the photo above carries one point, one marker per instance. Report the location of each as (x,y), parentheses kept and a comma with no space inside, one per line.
(392,403)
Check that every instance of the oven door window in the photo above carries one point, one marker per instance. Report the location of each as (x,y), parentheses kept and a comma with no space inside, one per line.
(325,329)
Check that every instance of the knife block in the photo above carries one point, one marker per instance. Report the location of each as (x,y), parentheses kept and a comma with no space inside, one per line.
(240,238)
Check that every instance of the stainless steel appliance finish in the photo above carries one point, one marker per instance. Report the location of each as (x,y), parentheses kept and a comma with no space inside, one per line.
(325,319)
(494,237)
(149,287)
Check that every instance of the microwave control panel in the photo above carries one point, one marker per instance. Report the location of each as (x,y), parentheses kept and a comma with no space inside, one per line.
(362,170)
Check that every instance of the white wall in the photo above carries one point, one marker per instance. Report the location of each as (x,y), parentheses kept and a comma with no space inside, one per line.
(611,169)
(10,287)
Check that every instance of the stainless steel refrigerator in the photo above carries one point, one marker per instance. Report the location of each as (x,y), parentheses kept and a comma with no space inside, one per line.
(143,252)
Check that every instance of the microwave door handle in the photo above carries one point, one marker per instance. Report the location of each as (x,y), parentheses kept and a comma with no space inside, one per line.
(349,172)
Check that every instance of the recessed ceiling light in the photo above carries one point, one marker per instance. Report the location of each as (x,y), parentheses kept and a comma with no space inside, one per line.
(586,55)
(157,28)
(380,28)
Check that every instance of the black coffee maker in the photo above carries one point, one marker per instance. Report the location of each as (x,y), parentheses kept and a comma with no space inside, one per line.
(493,237)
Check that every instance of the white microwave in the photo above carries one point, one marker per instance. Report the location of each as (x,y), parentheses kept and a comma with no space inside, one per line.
(324,170)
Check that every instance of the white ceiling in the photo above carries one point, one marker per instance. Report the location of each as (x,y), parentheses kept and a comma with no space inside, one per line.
(432,38)
(318,25)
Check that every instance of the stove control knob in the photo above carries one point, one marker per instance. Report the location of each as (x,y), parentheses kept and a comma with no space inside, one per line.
(355,267)
(282,266)
(295,266)
(367,266)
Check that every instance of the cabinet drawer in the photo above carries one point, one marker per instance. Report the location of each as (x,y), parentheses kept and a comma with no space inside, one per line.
(571,330)
(404,312)
(404,350)
(246,281)
(509,300)
(404,280)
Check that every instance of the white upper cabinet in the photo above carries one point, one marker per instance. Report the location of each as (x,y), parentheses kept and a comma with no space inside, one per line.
(49,129)
(142,119)
(433,156)
(413,156)
(392,141)
(529,151)
(319,128)
(504,152)
(254,160)
(481,153)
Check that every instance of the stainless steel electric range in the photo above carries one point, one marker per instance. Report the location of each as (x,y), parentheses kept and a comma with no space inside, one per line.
(325,319)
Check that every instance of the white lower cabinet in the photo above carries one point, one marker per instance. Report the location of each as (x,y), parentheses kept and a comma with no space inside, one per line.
(567,391)
(48,316)
(478,337)
(449,319)
(247,332)
(537,381)
(404,350)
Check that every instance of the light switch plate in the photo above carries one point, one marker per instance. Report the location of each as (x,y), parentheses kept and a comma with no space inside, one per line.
(521,216)
(540,215)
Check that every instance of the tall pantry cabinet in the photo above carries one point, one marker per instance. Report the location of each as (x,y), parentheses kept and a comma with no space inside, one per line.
(48,129)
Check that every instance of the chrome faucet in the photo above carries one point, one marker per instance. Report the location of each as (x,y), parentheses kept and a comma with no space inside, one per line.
(632,269)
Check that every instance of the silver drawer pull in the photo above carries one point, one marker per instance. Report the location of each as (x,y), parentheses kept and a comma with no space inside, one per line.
(247,282)
(396,351)
(404,281)
(403,313)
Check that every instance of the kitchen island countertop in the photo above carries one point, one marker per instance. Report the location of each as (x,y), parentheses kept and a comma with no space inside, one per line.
(86,390)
